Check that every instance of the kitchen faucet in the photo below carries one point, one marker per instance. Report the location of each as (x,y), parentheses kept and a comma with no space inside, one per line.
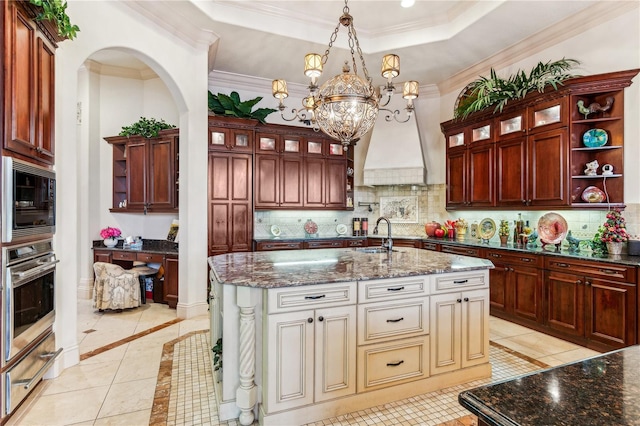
(389,244)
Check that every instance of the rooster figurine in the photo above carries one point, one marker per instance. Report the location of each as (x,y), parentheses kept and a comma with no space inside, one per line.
(594,107)
(574,243)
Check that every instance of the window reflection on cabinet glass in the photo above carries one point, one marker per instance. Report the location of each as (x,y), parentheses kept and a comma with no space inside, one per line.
(456,140)
(336,149)
(242,140)
(547,115)
(267,144)
(482,133)
(217,138)
(511,125)
(291,145)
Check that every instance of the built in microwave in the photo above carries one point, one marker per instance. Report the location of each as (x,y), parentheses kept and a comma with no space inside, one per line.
(28,200)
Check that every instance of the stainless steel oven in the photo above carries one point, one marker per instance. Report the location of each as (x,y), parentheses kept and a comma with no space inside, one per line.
(28,200)
(28,297)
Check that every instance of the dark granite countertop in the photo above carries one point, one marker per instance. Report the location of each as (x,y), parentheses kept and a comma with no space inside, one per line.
(149,246)
(336,237)
(271,269)
(603,390)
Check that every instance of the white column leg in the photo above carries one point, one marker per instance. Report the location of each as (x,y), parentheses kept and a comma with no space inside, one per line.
(246,394)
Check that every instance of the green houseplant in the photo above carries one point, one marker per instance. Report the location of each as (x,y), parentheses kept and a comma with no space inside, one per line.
(486,92)
(503,231)
(56,12)
(147,127)
(232,106)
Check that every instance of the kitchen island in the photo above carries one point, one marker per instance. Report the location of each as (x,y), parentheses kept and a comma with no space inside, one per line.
(312,334)
(603,390)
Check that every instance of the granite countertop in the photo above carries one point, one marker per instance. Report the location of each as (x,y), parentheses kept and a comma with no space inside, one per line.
(271,269)
(603,390)
(300,238)
(149,246)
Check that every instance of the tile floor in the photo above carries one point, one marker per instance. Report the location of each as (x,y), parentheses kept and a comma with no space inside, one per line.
(127,383)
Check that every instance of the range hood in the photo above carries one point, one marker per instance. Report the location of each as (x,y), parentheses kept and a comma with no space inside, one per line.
(394,156)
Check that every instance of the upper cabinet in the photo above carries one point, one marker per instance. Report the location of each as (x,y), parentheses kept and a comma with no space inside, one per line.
(535,153)
(145,173)
(28,82)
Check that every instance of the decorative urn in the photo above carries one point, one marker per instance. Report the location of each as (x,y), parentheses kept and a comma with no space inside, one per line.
(430,228)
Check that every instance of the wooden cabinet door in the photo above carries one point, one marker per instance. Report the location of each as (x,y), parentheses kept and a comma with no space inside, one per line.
(526,293)
(474,328)
(335,352)
(102,256)
(314,182)
(137,175)
(498,289)
(565,303)
(456,178)
(161,193)
(548,169)
(336,181)
(241,219)
(45,120)
(170,284)
(291,181)
(610,312)
(511,172)
(445,319)
(290,360)
(481,185)
(267,181)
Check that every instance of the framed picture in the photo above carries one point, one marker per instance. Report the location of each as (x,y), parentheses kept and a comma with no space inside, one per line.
(400,209)
(173,232)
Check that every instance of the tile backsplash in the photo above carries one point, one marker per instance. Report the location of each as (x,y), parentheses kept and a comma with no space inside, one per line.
(431,206)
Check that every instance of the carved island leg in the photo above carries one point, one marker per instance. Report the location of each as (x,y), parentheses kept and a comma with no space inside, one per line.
(247,392)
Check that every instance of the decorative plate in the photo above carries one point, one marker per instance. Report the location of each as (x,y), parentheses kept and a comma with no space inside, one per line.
(595,138)
(310,227)
(593,194)
(552,228)
(341,229)
(486,229)
(275,230)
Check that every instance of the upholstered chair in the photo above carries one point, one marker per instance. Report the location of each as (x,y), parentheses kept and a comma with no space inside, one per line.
(114,287)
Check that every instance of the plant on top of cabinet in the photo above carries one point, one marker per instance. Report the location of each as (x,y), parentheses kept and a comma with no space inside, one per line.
(55,11)
(146,127)
(494,90)
(232,106)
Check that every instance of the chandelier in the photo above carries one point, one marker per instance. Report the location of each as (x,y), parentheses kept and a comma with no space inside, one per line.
(346,106)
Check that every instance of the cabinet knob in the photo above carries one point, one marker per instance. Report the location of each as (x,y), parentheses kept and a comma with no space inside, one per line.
(506,269)
(459,300)
(309,320)
(579,282)
(320,318)
(587,283)
(466,299)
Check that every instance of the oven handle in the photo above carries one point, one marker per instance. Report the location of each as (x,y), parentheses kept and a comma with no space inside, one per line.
(27,383)
(43,267)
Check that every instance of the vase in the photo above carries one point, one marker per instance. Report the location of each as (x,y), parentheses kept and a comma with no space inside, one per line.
(503,239)
(430,228)
(110,242)
(614,248)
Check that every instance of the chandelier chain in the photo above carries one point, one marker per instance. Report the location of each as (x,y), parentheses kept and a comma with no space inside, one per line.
(332,39)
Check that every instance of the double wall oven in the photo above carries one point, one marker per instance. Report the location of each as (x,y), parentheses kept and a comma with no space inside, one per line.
(27,280)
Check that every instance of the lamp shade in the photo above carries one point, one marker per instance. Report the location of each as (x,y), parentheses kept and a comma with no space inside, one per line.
(312,65)
(410,90)
(390,66)
(279,89)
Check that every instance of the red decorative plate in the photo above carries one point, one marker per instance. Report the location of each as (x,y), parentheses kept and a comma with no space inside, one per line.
(552,228)
(310,227)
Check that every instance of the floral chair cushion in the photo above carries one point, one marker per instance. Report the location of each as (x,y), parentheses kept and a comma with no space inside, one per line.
(115,287)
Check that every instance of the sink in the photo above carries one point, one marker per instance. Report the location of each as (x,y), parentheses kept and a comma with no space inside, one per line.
(374,250)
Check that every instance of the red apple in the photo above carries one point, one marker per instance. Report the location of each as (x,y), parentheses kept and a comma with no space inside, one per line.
(439,233)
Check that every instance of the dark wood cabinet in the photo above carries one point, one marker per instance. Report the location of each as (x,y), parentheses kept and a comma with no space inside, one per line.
(28,82)
(462,250)
(230,203)
(278,245)
(540,155)
(231,134)
(145,173)
(170,281)
(594,303)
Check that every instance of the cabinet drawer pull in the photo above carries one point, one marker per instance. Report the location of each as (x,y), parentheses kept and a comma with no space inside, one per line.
(395,288)
(609,271)
(395,320)
(496,255)
(460,281)
(526,259)
(394,364)
(562,265)
(315,297)
(471,252)
(292,245)
(268,246)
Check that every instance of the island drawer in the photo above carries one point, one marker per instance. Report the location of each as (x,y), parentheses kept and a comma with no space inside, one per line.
(393,288)
(278,245)
(392,363)
(150,257)
(609,271)
(465,251)
(514,258)
(324,244)
(460,281)
(384,321)
(310,297)
(124,255)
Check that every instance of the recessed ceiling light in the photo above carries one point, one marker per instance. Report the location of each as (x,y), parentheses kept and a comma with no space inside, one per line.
(407,3)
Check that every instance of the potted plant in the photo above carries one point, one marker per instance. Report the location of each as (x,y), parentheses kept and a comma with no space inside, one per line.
(146,127)
(232,106)
(110,236)
(55,11)
(503,231)
(614,232)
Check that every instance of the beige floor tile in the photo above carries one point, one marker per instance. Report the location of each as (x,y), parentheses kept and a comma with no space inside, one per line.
(129,419)
(83,377)
(67,408)
(128,397)
(139,364)
(499,328)
(114,354)
(537,345)
(569,356)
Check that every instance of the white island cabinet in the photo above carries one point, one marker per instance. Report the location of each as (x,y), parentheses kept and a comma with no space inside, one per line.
(313,334)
